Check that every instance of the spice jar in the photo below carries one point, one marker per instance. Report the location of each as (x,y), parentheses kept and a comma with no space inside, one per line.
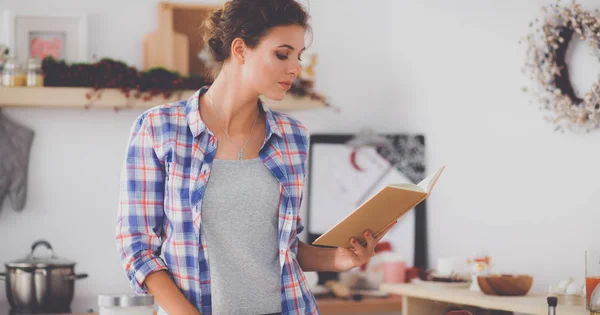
(126,304)
(12,75)
(35,77)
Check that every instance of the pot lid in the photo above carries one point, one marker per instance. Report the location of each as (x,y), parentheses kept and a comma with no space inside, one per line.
(49,260)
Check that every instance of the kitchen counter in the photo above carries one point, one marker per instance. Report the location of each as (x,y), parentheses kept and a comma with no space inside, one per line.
(435,299)
(368,305)
(88,306)
(78,306)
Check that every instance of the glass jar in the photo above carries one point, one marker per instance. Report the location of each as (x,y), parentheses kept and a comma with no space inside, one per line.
(35,76)
(126,304)
(592,274)
(12,75)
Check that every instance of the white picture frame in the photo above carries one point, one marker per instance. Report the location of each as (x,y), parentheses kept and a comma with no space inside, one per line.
(63,35)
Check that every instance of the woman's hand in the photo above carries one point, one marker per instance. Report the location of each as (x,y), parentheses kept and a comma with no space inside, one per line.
(168,295)
(348,258)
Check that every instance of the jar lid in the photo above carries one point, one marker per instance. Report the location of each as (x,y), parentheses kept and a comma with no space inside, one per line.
(12,64)
(31,261)
(125,300)
(34,64)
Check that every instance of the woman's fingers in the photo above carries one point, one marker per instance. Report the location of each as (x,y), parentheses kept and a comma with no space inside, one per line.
(371,243)
(360,250)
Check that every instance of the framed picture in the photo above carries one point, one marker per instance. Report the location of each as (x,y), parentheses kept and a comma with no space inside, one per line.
(63,37)
(340,179)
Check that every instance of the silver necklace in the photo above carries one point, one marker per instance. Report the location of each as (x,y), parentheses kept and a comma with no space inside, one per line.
(241,151)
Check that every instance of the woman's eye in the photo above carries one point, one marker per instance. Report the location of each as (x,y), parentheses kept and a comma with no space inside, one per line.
(281,57)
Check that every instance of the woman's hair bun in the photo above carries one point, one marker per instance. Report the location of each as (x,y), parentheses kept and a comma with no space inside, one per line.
(249,20)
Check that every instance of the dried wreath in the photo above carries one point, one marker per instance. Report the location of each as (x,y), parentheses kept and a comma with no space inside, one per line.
(547,66)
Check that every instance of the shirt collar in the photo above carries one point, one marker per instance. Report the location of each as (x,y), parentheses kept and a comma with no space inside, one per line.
(197,126)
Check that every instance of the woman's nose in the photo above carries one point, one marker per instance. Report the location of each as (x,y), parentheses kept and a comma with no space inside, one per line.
(296,69)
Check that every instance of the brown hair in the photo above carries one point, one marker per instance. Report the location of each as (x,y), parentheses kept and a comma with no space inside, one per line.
(250,20)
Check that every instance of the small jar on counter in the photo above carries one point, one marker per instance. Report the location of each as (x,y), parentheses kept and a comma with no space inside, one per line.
(12,75)
(35,76)
(126,304)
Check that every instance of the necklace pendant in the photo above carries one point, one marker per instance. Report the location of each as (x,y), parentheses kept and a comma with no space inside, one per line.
(241,155)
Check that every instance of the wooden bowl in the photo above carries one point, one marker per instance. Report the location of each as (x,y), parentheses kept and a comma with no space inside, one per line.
(505,285)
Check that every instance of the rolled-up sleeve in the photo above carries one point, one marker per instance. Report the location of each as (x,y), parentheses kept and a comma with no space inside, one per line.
(141,213)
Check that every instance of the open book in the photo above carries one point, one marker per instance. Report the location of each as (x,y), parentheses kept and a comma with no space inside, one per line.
(380,211)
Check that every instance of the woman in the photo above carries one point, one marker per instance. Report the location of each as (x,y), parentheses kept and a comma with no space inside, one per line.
(215,183)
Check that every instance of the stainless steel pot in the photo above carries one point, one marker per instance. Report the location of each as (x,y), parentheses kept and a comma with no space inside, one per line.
(43,284)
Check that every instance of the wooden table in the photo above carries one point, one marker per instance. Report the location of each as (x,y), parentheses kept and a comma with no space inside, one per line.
(423,299)
(368,305)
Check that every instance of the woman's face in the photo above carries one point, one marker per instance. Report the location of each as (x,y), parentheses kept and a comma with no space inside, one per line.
(271,67)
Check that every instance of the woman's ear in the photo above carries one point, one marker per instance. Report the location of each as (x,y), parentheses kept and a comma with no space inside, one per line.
(238,50)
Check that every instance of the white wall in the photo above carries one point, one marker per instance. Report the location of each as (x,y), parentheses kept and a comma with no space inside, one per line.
(77,154)
(448,70)
(528,195)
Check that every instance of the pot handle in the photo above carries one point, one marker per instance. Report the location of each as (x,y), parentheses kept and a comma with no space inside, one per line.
(42,242)
(2,275)
(77,277)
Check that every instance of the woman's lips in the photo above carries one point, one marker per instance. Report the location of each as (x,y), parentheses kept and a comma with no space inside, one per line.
(286,85)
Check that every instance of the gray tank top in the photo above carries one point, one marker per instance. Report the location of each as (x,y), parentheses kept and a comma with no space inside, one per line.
(240,218)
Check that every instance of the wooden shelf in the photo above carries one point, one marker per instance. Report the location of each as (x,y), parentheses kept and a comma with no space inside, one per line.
(69,97)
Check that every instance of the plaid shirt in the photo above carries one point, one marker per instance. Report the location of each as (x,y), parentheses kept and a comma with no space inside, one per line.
(167,166)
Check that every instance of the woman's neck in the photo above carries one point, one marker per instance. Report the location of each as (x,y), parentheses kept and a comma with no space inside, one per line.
(235,104)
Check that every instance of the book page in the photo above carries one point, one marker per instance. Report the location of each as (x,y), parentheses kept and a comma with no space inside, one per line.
(407,186)
(428,183)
